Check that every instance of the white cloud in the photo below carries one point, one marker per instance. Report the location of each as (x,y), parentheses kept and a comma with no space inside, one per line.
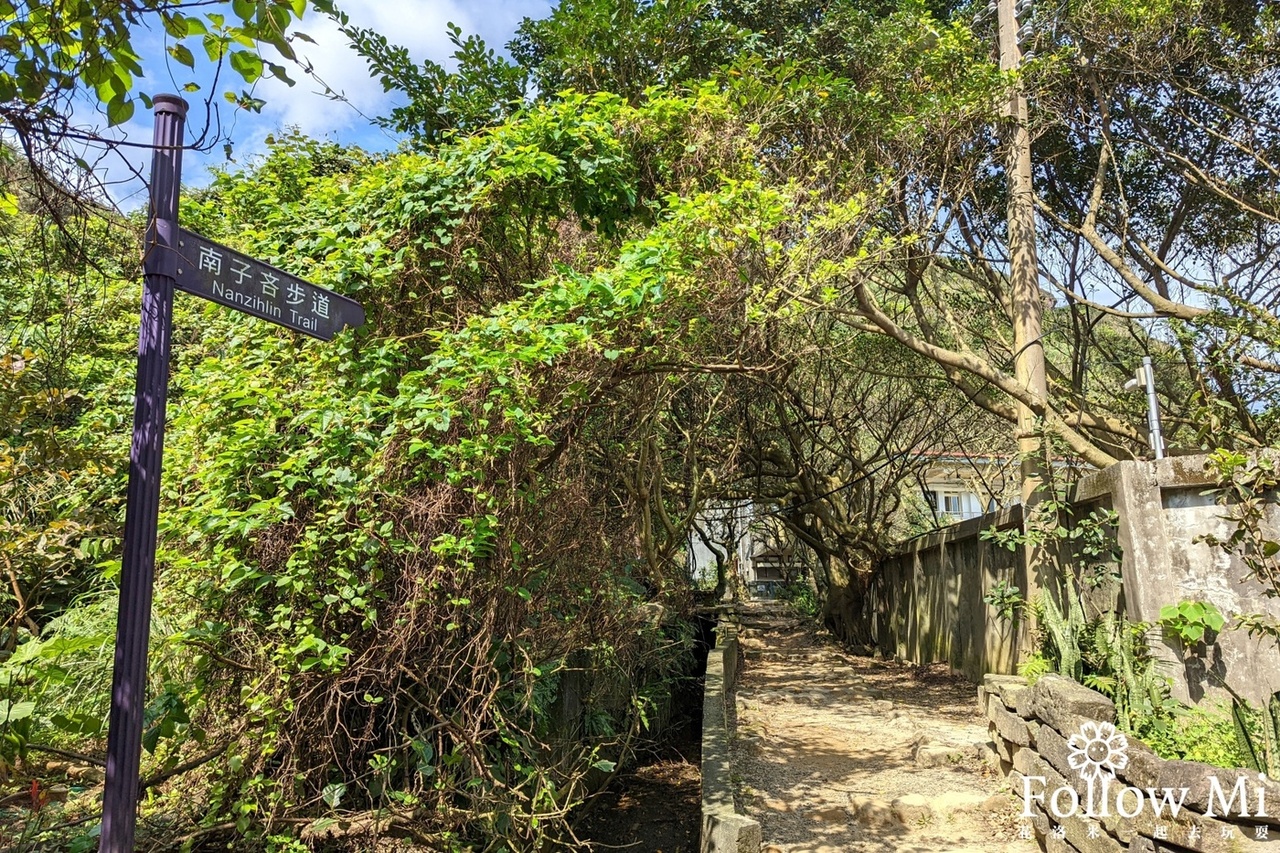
(418,25)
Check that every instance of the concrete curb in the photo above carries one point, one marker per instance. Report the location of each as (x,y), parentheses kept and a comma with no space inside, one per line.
(723,829)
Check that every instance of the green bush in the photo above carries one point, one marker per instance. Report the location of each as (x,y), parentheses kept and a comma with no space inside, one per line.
(799,594)
(1204,734)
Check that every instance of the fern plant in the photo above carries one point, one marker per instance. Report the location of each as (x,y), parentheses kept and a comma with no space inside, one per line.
(1258,734)
(1035,667)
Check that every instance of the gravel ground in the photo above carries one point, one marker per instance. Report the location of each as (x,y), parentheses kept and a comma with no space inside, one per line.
(836,752)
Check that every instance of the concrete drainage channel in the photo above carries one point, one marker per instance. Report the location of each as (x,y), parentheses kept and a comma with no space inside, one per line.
(655,804)
(723,829)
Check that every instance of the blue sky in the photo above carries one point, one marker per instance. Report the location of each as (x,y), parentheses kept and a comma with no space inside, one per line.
(418,25)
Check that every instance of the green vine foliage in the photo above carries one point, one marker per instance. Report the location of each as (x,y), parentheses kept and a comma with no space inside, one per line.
(409,574)
(1247,485)
(421,576)
(64,398)
(1192,621)
(405,586)
(1006,599)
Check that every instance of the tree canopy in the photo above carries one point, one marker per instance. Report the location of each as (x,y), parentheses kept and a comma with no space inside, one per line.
(670,255)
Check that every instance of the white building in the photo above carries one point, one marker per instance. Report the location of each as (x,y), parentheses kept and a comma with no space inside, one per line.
(752,541)
(960,486)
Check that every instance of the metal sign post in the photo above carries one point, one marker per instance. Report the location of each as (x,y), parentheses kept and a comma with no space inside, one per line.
(133,619)
(1155,437)
(175,258)
(1145,376)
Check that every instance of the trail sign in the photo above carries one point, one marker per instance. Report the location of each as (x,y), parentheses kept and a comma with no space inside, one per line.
(229,278)
(176,258)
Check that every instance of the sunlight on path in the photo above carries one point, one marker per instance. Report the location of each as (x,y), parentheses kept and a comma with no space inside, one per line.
(836,752)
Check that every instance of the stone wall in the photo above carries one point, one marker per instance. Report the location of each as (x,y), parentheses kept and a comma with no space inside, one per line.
(1039,740)
(926,603)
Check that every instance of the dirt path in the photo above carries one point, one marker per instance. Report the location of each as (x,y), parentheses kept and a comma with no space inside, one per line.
(836,752)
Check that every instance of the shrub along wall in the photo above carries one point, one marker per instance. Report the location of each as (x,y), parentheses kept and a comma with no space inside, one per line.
(1057,733)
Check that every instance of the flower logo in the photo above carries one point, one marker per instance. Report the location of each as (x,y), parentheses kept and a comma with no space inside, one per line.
(1098,750)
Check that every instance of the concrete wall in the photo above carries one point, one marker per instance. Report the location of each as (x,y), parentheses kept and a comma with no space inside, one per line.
(723,829)
(926,605)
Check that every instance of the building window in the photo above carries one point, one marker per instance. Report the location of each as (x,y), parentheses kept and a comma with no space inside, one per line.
(955,505)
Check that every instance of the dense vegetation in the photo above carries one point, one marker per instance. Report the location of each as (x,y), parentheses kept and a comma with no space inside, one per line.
(427,580)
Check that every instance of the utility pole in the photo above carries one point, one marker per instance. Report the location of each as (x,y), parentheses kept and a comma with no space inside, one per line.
(1025,306)
(1024,276)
